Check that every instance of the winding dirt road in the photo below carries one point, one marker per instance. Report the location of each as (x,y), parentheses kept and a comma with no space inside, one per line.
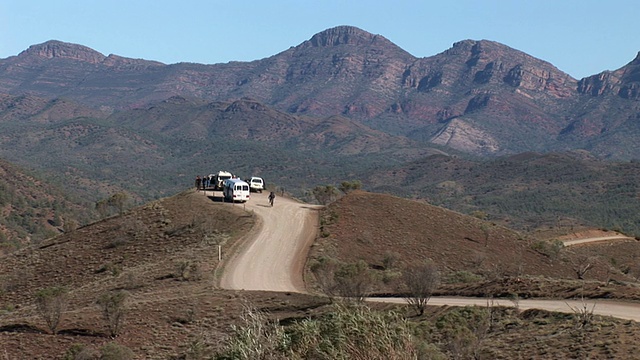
(273,257)
(274,254)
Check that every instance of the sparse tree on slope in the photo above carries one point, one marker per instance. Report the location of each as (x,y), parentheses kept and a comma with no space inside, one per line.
(51,303)
(421,280)
(325,194)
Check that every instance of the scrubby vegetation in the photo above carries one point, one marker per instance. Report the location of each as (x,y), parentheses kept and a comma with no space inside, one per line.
(357,331)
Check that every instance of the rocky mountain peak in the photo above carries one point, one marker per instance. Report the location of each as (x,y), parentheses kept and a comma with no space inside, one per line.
(58,49)
(341,35)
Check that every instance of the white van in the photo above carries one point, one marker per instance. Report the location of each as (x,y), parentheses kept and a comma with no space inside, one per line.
(236,190)
(217,180)
(256,184)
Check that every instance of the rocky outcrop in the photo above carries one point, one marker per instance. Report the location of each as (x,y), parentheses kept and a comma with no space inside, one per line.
(624,82)
(343,35)
(461,135)
(60,50)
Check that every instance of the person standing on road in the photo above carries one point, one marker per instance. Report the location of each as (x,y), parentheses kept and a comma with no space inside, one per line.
(198,182)
(272,196)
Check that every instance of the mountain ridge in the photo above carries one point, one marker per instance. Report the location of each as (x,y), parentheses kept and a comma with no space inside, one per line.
(506,100)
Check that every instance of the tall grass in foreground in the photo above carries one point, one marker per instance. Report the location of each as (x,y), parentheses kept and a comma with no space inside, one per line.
(346,332)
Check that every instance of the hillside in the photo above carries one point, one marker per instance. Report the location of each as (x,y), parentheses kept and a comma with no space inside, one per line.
(531,192)
(476,257)
(33,209)
(162,254)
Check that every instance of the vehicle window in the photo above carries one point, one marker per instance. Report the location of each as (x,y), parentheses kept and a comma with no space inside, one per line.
(245,187)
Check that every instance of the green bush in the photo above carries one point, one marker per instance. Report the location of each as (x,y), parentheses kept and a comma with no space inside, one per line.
(51,304)
(113,307)
(462,330)
(113,351)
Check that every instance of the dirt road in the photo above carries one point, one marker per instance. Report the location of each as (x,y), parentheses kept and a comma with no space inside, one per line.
(621,310)
(596,239)
(274,255)
(274,258)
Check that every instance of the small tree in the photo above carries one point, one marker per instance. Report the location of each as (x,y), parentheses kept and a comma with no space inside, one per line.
(325,194)
(348,186)
(70,225)
(354,280)
(420,281)
(51,303)
(113,309)
(102,206)
(119,201)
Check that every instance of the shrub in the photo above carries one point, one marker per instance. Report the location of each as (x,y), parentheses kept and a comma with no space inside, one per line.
(352,332)
(51,304)
(119,201)
(82,352)
(255,338)
(348,186)
(113,351)
(187,270)
(354,280)
(550,249)
(113,309)
(324,270)
(350,280)
(463,331)
(70,225)
(325,194)
(346,332)
(390,260)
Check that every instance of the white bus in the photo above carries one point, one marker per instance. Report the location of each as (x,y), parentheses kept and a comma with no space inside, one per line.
(236,190)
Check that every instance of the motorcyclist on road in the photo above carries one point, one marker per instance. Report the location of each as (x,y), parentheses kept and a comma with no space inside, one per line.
(272,196)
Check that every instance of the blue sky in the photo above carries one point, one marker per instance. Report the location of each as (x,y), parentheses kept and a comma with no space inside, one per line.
(580,37)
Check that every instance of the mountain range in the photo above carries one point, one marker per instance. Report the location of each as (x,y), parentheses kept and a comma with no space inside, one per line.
(479,97)
(343,105)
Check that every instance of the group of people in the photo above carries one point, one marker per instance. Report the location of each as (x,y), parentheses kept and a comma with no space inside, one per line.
(202,182)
